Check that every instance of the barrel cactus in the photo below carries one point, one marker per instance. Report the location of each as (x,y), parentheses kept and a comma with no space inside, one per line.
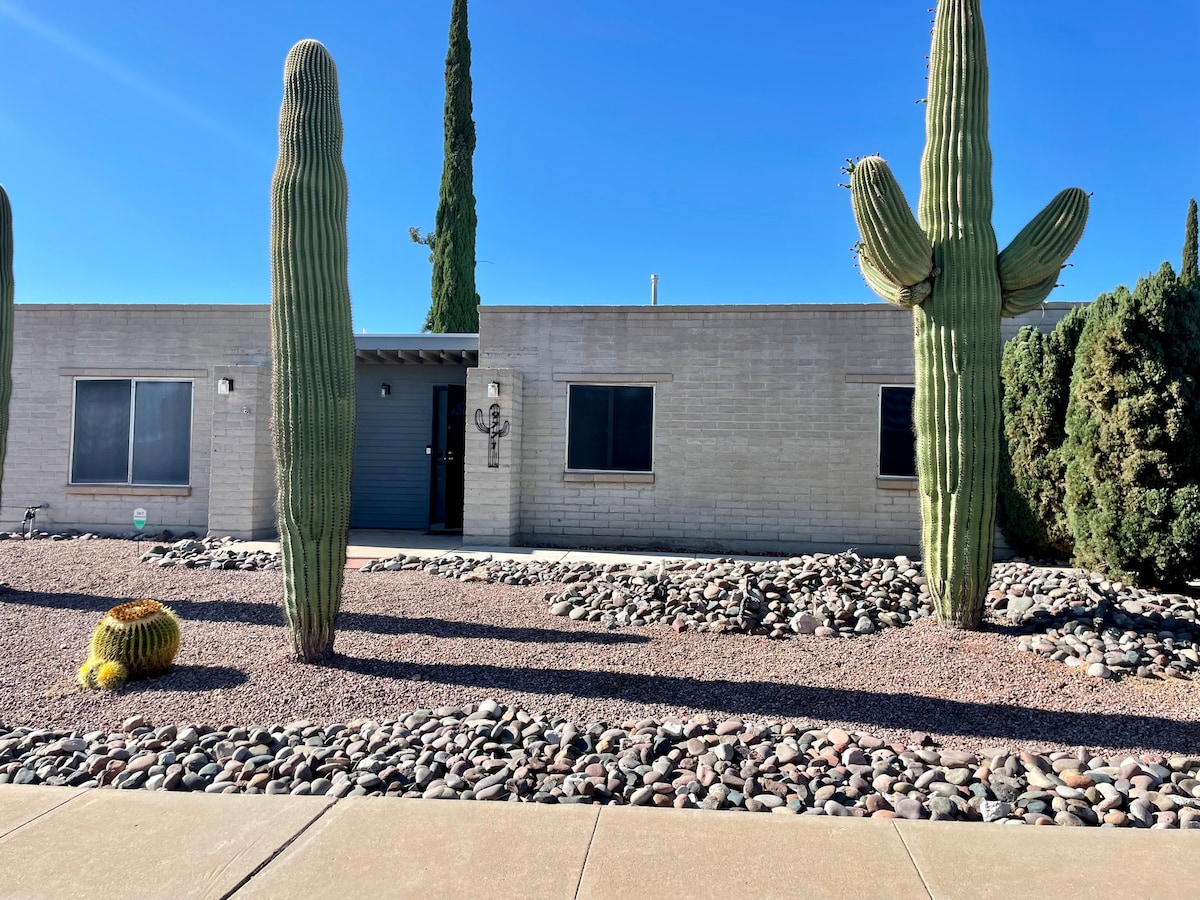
(139,639)
(312,346)
(943,265)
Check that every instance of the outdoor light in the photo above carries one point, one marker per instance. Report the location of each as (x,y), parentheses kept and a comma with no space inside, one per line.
(385,390)
(493,389)
(225,386)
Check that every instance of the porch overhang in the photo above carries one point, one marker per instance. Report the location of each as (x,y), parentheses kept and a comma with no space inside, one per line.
(417,349)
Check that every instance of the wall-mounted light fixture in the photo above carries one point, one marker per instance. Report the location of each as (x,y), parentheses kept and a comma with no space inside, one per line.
(225,386)
(493,389)
(385,390)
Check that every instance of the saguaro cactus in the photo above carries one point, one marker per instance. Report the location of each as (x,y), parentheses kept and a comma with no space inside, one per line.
(6,319)
(312,347)
(944,267)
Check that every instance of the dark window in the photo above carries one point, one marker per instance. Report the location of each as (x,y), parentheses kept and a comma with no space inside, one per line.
(610,427)
(132,432)
(897,442)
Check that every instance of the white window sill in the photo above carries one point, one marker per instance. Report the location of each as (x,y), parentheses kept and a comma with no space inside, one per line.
(609,477)
(129,490)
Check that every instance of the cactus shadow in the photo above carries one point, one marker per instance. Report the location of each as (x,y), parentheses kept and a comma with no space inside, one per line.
(193,610)
(190,678)
(375,623)
(271,615)
(1110,618)
(781,700)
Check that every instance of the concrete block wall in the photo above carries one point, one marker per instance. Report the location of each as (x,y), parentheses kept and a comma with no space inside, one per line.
(765,431)
(241,494)
(492,501)
(56,343)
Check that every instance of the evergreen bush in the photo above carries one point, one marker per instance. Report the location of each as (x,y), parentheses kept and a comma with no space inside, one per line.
(1036,376)
(1133,434)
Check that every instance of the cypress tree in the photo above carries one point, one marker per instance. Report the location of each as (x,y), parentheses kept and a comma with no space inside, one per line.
(1190,273)
(455,302)
(1036,376)
(1133,434)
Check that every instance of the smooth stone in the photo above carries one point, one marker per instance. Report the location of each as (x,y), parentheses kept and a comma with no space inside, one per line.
(908,808)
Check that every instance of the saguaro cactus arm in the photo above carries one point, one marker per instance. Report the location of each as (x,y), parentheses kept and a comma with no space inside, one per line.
(894,255)
(1022,300)
(1029,266)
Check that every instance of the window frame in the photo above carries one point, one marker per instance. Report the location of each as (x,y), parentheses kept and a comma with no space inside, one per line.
(613,385)
(133,382)
(879,473)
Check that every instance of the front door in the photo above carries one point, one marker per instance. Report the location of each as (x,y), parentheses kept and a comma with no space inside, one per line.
(447,456)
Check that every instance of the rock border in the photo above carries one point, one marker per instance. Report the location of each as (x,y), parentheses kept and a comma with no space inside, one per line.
(487,751)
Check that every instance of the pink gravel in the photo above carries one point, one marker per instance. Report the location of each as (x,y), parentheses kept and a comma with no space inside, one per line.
(407,641)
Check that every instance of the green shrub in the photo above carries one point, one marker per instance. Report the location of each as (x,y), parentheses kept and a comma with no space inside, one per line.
(1133,434)
(1036,375)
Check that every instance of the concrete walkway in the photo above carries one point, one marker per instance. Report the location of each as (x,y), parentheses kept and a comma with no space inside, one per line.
(68,842)
(366,544)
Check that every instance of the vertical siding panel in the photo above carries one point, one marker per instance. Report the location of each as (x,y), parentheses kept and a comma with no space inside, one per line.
(390,488)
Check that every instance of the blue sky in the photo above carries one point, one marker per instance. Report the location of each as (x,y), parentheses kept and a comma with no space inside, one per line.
(699,140)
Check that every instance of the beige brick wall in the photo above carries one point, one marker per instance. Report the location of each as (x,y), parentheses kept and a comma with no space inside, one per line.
(765,432)
(241,494)
(492,501)
(54,344)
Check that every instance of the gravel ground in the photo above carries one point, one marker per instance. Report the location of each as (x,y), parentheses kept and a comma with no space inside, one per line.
(408,641)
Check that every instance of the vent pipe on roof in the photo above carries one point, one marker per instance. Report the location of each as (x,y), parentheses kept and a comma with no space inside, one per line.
(654,290)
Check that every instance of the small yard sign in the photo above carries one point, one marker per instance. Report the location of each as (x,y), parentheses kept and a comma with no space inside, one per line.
(139,518)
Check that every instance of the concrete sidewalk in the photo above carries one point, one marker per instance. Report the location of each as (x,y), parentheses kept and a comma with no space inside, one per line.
(369,543)
(67,842)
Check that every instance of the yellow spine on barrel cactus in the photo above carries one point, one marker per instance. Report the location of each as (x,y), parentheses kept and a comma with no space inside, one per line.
(139,639)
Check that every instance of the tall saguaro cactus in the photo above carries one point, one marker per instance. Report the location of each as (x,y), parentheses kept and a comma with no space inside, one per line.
(6,319)
(944,267)
(312,348)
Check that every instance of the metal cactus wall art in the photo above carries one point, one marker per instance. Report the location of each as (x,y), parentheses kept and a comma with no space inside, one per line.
(944,266)
(494,430)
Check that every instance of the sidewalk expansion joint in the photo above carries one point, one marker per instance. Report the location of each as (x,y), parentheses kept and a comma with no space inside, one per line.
(916,868)
(587,853)
(270,859)
(17,828)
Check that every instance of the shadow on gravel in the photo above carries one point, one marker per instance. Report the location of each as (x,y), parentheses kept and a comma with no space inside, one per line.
(450,628)
(375,623)
(190,678)
(901,712)
(206,611)
(99,605)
